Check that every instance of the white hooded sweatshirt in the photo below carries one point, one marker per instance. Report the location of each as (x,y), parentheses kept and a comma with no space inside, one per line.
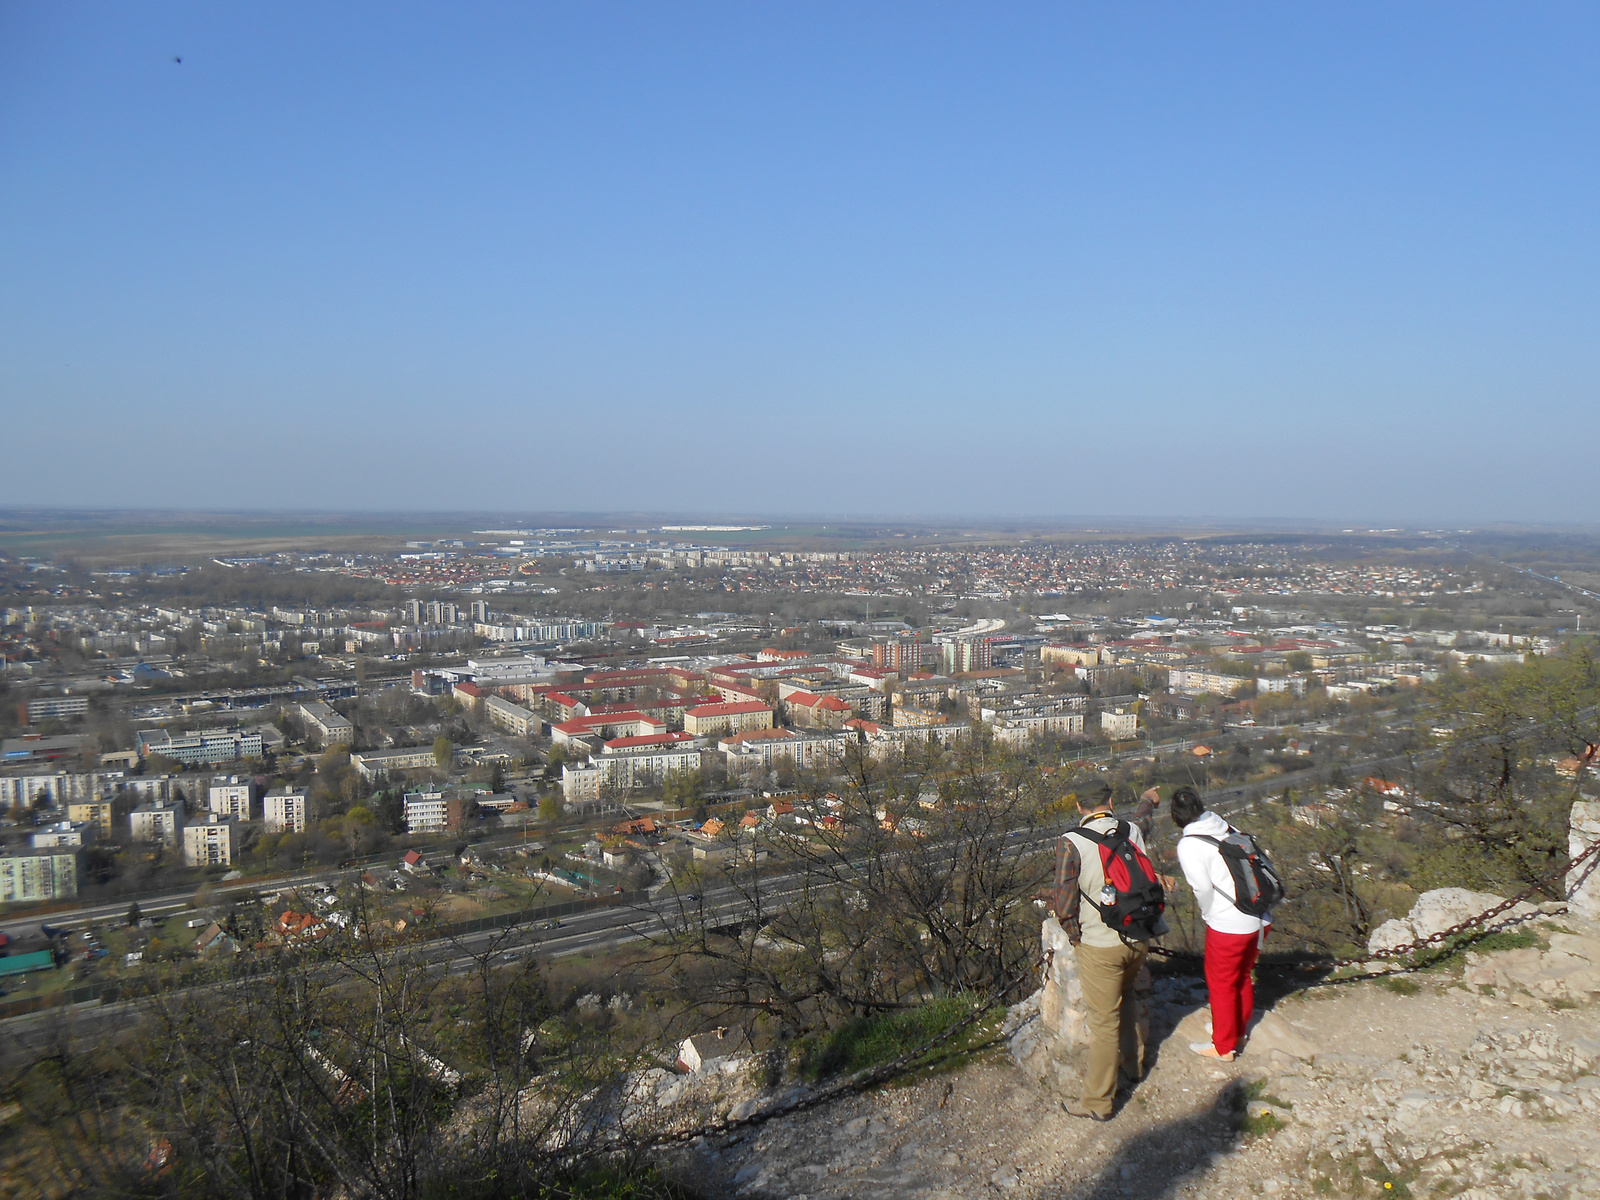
(1209,878)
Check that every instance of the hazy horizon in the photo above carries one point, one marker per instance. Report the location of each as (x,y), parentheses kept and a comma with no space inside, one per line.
(1017,263)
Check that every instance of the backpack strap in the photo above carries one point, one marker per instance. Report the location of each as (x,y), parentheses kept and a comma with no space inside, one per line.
(1109,838)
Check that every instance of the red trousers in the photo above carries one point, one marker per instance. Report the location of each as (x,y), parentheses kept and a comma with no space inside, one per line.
(1230,957)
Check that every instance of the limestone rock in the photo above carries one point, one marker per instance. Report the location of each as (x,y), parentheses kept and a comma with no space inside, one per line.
(1389,935)
(1440,909)
(1061,998)
(1583,883)
(1273,1032)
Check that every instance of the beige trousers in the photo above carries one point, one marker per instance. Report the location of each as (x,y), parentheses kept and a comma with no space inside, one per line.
(1107,975)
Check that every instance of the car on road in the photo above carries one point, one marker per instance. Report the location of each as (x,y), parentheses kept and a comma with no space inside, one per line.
(551,924)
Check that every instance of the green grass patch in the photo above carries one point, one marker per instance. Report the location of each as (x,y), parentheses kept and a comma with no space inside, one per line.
(1259,1125)
(1256,1089)
(1402,987)
(1509,939)
(871,1041)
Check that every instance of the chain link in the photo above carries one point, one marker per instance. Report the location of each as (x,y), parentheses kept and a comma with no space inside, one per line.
(1433,939)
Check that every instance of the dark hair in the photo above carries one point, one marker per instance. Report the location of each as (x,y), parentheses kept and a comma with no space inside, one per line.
(1186,806)
(1096,797)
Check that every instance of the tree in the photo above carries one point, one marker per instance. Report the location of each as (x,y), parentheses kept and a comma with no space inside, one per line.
(135,914)
(443,750)
(1497,781)
(550,808)
(357,829)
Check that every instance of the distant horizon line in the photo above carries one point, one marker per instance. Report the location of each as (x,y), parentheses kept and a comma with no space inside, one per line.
(691,520)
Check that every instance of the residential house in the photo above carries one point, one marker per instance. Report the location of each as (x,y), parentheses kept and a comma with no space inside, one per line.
(706,1051)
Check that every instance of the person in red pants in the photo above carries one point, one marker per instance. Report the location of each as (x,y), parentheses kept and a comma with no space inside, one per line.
(1233,938)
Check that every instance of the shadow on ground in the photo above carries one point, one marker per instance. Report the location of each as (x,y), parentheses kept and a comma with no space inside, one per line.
(1161,1160)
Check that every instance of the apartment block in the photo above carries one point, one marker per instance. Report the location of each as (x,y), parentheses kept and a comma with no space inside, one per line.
(328,725)
(212,842)
(425,812)
(230,797)
(724,720)
(29,874)
(158,821)
(284,812)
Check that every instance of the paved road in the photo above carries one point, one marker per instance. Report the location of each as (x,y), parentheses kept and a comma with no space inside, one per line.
(597,929)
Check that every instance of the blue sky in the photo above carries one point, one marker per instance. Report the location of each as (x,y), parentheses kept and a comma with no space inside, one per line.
(927,259)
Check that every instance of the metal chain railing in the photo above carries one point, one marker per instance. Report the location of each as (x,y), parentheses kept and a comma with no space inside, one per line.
(1588,856)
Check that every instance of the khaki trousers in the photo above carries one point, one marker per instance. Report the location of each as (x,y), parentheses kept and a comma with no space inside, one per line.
(1107,975)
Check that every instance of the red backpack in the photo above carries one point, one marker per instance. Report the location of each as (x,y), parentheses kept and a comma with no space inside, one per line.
(1132,900)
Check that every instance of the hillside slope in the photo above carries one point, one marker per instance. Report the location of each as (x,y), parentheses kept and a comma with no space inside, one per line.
(1480,1082)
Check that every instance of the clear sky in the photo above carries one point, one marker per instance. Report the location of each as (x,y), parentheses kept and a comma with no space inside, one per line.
(1327,260)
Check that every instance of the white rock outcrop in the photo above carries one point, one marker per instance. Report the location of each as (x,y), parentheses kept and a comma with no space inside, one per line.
(1583,883)
(1438,910)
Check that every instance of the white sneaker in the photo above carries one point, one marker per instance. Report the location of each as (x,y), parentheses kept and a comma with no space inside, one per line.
(1207,1050)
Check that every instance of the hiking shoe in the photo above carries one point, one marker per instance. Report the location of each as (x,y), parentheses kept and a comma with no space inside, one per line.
(1207,1050)
(1075,1108)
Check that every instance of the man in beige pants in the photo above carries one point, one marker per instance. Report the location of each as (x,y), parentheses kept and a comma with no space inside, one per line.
(1108,965)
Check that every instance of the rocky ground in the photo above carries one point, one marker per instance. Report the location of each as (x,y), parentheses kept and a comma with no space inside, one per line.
(1474,1080)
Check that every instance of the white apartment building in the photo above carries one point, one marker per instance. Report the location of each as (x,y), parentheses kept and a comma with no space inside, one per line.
(424,812)
(1195,683)
(159,821)
(372,763)
(284,812)
(638,768)
(152,787)
(328,725)
(580,785)
(63,787)
(512,718)
(71,835)
(230,797)
(1118,725)
(1293,685)
(213,842)
(47,708)
(28,874)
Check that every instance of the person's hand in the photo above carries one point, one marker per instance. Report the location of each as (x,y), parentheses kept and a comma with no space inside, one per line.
(1153,795)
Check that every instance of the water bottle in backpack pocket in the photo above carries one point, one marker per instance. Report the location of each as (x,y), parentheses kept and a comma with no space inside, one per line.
(1132,900)
(1257,886)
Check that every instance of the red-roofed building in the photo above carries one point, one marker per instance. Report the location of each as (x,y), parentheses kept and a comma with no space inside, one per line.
(467,692)
(617,725)
(300,927)
(712,720)
(810,711)
(652,739)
